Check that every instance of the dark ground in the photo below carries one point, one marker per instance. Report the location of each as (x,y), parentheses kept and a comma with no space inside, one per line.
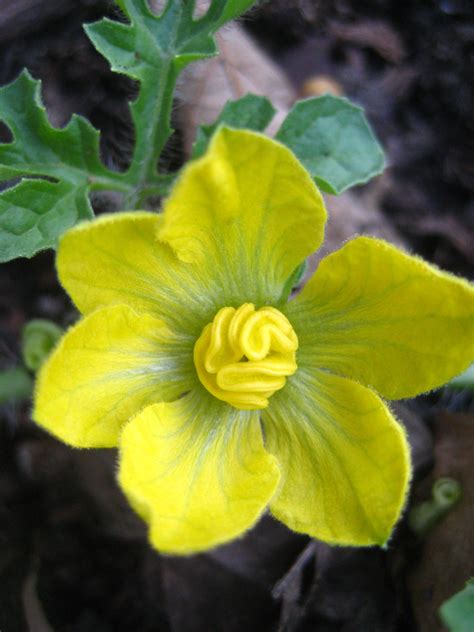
(73,557)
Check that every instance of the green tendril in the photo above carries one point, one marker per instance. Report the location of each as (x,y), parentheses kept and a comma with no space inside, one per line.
(39,337)
(445,494)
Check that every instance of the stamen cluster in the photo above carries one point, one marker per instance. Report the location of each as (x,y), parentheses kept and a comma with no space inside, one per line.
(245,355)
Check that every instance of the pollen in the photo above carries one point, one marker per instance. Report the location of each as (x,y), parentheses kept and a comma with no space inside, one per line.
(245,355)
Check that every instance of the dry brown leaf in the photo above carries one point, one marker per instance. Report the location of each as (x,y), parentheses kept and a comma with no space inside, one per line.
(375,34)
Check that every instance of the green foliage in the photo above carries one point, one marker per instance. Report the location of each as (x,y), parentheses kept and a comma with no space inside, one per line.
(15,384)
(331,137)
(250,112)
(153,50)
(59,167)
(231,9)
(35,212)
(445,494)
(39,337)
(458,612)
(51,172)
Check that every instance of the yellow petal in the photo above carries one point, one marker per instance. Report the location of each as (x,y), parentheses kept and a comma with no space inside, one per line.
(344,460)
(106,369)
(196,471)
(386,319)
(248,213)
(117,259)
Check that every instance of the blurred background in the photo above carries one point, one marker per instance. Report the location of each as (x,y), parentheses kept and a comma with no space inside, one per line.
(73,556)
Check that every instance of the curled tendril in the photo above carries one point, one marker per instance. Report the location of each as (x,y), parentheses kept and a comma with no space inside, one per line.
(39,337)
(445,493)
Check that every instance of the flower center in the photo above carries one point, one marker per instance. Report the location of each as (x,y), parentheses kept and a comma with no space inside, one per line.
(245,355)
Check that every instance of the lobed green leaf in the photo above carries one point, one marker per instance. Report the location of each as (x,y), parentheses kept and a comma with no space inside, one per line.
(153,49)
(35,213)
(38,148)
(332,138)
(61,165)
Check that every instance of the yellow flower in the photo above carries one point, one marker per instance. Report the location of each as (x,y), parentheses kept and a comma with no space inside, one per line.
(223,398)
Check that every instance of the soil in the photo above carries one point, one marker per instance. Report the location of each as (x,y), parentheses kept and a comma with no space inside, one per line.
(73,556)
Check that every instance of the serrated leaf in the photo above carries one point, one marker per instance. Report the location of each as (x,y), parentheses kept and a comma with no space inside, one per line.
(34,213)
(149,38)
(250,112)
(230,9)
(38,148)
(332,138)
(153,49)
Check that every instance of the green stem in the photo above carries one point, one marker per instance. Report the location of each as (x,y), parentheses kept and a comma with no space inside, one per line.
(163,129)
(160,189)
(101,183)
(151,140)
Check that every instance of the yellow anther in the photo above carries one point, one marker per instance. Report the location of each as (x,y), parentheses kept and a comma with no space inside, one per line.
(220,349)
(245,355)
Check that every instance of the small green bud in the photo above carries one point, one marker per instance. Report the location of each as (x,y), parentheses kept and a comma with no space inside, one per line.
(39,337)
(445,493)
